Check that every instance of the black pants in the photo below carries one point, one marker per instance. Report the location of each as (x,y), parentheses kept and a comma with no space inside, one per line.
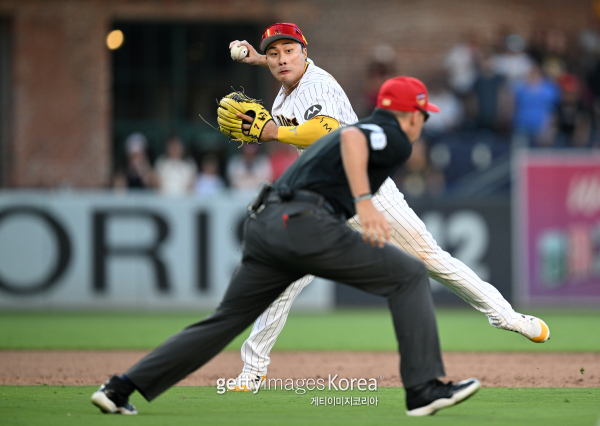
(283,243)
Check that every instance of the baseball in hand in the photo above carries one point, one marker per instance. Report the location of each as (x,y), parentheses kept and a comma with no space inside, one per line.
(239,52)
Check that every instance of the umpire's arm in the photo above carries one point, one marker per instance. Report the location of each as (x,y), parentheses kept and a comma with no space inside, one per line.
(355,157)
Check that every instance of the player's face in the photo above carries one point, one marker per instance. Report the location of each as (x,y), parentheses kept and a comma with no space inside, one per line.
(286,60)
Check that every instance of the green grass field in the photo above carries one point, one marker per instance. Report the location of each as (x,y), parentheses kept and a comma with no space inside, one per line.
(187,406)
(365,330)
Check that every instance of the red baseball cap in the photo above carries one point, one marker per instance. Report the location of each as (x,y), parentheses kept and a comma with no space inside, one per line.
(404,94)
(279,31)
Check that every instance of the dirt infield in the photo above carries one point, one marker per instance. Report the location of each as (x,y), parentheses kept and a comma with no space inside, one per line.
(493,369)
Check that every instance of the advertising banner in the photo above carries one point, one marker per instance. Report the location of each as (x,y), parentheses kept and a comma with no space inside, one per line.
(105,251)
(558,228)
(474,230)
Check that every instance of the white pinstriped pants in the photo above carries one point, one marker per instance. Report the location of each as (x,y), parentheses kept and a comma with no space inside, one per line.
(409,235)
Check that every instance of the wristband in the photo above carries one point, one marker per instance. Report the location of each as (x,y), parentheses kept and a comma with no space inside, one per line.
(360,198)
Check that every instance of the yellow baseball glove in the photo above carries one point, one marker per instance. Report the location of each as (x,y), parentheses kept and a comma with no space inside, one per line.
(231,125)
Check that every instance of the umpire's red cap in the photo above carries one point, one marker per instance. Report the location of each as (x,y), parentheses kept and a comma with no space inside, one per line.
(405,94)
(279,31)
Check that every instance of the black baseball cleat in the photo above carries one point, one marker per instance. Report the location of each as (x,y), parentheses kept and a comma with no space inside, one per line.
(113,397)
(426,399)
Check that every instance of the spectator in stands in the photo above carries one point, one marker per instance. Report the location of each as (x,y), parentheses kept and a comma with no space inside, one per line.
(549,47)
(535,103)
(118,182)
(461,63)
(379,70)
(512,62)
(139,172)
(573,123)
(536,46)
(247,170)
(487,89)
(175,174)
(451,109)
(209,182)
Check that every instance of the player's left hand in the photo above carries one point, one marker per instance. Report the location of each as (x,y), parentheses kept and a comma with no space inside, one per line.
(269,132)
(376,228)
(242,118)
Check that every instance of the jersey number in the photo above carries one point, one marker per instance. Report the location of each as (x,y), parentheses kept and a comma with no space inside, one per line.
(377,138)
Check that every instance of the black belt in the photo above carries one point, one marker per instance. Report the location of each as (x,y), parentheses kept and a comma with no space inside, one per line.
(300,195)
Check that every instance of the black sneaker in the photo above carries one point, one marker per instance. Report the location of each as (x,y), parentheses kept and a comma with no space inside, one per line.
(113,397)
(424,400)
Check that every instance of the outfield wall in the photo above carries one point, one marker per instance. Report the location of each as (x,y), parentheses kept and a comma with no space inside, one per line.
(100,250)
(97,250)
(475,230)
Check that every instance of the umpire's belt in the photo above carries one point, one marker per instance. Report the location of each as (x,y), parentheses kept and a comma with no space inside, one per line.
(300,195)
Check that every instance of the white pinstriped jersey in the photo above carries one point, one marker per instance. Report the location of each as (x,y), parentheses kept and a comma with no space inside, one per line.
(318,93)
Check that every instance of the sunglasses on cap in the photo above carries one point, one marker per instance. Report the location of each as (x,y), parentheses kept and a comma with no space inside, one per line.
(283,28)
(279,31)
(425,114)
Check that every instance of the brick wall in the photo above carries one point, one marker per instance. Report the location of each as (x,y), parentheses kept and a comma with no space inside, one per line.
(60,110)
(60,129)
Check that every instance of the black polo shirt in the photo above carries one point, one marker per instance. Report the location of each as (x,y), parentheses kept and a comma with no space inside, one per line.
(320,169)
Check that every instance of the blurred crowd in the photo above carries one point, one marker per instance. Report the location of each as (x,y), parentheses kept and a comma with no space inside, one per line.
(177,173)
(543,92)
(540,92)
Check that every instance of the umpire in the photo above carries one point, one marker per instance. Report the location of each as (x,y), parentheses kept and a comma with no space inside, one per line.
(298,227)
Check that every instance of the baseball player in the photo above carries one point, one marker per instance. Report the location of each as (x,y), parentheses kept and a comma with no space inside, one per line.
(298,227)
(311,104)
